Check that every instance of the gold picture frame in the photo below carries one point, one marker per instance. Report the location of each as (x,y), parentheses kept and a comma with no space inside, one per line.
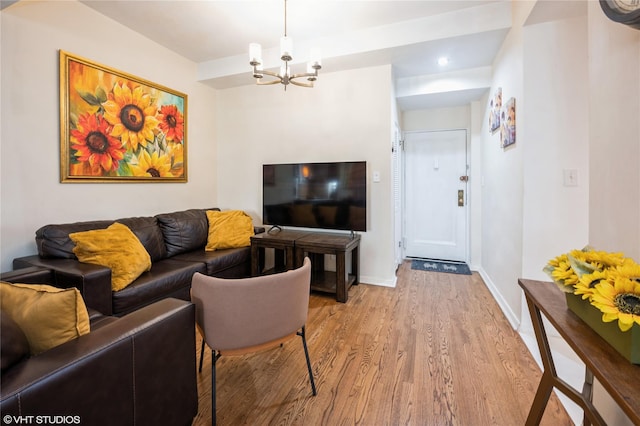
(115,127)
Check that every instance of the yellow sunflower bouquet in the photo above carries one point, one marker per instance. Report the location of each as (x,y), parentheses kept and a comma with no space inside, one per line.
(610,281)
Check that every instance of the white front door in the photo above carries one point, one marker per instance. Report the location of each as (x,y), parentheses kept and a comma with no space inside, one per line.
(436,195)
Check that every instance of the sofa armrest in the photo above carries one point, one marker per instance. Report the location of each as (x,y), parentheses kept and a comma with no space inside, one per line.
(93,281)
(139,369)
(29,275)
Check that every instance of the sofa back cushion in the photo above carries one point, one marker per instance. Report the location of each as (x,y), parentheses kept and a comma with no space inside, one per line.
(149,234)
(184,231)
(53,240)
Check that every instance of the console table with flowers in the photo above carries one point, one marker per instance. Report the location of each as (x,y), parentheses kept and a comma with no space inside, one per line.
(594,303)
(617,375)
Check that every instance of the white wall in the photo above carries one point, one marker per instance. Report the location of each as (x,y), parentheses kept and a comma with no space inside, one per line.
(436,119)
(555,216)
(31,192)
(614,149)
(346,117)
(555,74)
(614,130)
(502,185)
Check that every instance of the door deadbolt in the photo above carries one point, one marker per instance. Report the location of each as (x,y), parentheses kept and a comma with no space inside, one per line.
(461,198)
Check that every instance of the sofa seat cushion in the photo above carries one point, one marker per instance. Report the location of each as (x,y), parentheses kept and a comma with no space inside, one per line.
(166,278)
(218,261)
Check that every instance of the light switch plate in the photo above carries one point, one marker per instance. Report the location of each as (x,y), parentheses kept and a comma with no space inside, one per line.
(570,177)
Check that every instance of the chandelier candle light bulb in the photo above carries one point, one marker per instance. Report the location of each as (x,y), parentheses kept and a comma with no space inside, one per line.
(316,57)
(310,70)
(255,54)
(286,48)
(255,59)
(284,77)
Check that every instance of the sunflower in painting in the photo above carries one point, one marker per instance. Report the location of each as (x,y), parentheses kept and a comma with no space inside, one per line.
(171,123)
(152,165)
(176,152)
(94,145)
(132,114)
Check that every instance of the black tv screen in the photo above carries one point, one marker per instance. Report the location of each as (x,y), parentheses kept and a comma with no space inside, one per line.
(315,195)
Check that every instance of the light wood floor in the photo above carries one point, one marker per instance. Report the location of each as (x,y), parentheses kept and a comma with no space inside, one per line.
(435,350)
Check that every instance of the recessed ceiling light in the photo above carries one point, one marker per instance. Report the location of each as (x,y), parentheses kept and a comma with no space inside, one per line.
(442,61)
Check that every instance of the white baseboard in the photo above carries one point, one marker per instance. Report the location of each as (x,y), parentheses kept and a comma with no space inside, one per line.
(378,281)
(504,306)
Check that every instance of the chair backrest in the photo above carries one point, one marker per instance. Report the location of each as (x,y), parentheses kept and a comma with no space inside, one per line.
(240,313)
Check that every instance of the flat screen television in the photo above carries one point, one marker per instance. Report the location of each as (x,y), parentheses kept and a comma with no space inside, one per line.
(315,195)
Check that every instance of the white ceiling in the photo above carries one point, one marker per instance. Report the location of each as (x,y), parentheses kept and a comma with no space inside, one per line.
(410,35)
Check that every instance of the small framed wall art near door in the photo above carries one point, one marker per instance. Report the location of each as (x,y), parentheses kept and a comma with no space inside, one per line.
(508,127)
(115,127)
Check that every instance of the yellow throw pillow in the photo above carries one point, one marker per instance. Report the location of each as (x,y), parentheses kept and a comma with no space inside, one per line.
(117,248)
(48,316)
(228,229)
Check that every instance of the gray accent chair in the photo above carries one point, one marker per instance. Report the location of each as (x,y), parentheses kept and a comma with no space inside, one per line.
(239,316)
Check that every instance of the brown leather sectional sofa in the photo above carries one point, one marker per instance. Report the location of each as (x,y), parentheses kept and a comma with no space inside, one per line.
(135,370)
(175,241)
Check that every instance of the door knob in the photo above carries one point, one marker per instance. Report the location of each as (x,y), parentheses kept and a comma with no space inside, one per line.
(461,198)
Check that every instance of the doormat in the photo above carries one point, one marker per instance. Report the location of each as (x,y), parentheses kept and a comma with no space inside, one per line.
(440,266)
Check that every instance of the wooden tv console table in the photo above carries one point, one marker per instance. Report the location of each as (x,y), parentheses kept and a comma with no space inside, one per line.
(617,375)
(291,247)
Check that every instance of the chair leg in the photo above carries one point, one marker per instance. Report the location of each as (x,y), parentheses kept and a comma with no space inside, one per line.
(306,354)
(201,355)
(214,357)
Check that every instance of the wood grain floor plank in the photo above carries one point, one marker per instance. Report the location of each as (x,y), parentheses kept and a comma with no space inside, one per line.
(434,350)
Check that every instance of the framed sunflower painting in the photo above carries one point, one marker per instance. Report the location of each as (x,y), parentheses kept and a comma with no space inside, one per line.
(115,127)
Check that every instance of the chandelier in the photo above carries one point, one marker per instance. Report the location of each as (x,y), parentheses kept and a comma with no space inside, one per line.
(284,76)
